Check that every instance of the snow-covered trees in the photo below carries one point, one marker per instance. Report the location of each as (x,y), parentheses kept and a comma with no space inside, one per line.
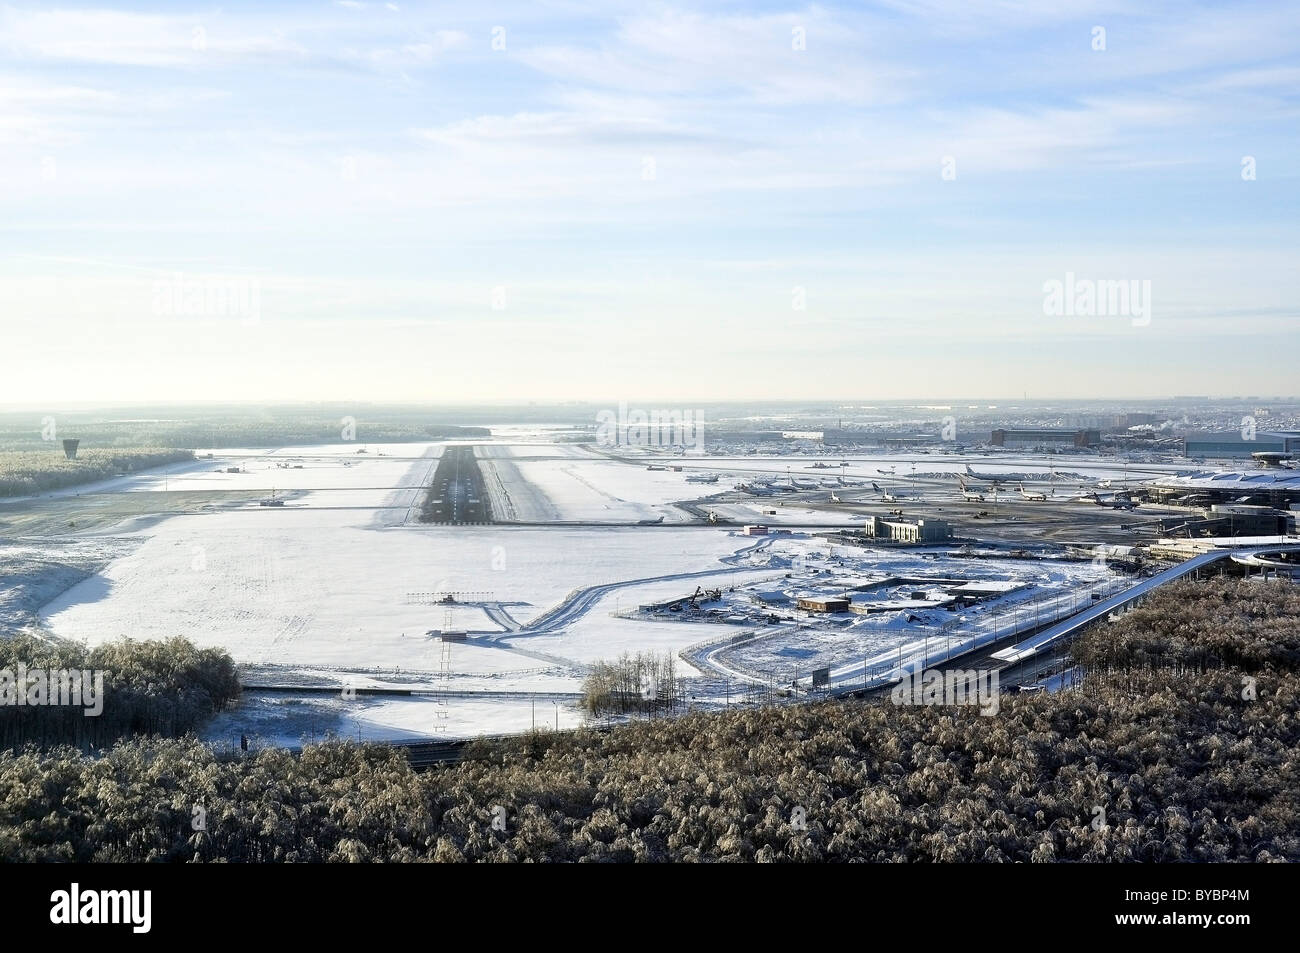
(152,687)
(35,471)
(644,683)
(1146,764)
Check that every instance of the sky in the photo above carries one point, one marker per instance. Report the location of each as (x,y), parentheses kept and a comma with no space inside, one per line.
(533,201)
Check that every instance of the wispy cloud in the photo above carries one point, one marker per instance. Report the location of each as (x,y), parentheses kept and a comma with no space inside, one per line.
(918,167)
(135,39)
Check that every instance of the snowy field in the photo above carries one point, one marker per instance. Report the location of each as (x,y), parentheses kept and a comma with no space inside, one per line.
(588,489)
(288,721)
(284,588)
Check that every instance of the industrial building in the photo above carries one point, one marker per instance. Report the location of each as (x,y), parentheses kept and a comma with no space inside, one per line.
(1234,444)
(1111,421)
(904,530)
(746,436)
(890,441)
(824,604)
(1047,438)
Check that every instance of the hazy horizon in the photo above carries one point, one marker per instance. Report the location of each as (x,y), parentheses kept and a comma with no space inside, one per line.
(933,402)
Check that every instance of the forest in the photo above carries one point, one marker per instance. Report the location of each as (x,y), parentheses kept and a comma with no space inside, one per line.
(1233,623)
(120,429)
(24,472)
(1194,758)
(150,688)
(644,683)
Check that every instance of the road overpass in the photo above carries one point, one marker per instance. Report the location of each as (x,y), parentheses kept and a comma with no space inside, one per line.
(1050,637)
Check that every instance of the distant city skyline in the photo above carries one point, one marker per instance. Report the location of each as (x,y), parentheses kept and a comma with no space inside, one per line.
(397,202)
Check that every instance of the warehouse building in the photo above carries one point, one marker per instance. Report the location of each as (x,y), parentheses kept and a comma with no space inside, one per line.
(824,604)
(866,438)
(1047,438)
(1111,421)
(1234,444)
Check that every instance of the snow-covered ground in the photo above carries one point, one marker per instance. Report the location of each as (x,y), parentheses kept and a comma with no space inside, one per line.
(340,585)
(589,489)
(292,720)
(276,587)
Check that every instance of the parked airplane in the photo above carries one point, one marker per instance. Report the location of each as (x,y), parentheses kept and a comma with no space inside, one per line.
(711,478)
(994,478)
(1117,502)
(834,498)
(1034,496)
(756,489)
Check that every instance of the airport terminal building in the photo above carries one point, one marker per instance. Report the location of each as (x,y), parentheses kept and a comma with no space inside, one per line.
(1054,438)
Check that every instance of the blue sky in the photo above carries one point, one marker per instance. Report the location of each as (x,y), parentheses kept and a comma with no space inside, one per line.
(634,204)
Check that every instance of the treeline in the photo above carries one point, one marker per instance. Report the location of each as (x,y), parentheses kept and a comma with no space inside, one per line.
(237,427)
(288,433)
(645,683)
(24,472)
(148,688)
(1143,765)
(1201,626)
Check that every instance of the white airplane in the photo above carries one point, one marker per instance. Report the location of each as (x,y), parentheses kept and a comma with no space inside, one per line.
(885,495)
(1116,501)
(994,478)
(755,489)
(834,498)
(711,478)
(1034,496)
(972,494)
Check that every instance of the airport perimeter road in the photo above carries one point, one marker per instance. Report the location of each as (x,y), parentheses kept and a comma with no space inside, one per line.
(1057,633)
